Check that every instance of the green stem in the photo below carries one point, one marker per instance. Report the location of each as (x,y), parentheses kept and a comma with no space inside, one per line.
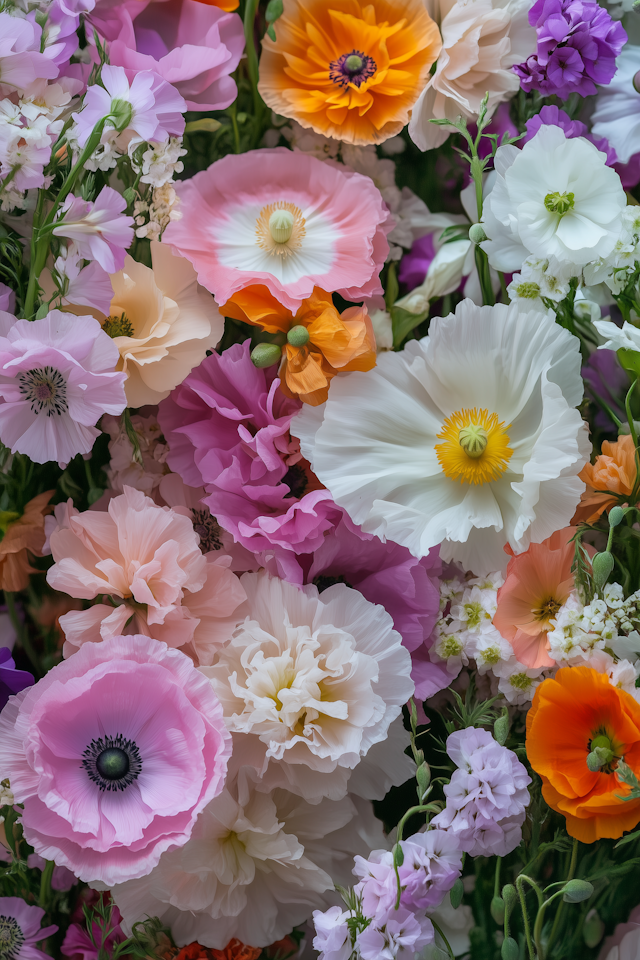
(496,879)
(444,939)
(252,55)
(484,276)
(525,915)
(572,870)
(45,884)
(627,406)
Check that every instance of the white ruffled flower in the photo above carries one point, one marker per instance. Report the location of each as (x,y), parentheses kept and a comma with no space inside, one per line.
(554,198)
(617,113)
(256,865)
(439,452)
(481,41)
(309,684)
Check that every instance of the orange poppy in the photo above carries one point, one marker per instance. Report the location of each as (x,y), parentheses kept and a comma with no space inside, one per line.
(325,342)
(571,714)
(22,535)
(538,583)
(234,950)
(349,69)
(614,470)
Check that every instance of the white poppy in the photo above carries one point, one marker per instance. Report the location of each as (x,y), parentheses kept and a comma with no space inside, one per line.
(469,437)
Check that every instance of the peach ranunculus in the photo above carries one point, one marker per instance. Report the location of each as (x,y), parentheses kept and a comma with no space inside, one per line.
(147,561)
(572,714)
(615,471)
(349,69)
(481,41)
(22,535)
(538,583)
(162,322)
(320,341)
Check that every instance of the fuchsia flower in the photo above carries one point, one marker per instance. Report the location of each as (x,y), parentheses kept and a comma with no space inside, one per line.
(113,754)
(192,45)
(56,380)
(285,220)
(20,930)
(100,229)
(156,106)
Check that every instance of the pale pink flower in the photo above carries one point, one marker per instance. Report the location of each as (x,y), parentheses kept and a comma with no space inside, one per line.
(100,229)
(21,61)
(113,755)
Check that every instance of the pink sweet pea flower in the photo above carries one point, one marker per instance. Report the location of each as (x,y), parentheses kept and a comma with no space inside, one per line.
(20,59)
(156,106)
(100,229)
(192,45)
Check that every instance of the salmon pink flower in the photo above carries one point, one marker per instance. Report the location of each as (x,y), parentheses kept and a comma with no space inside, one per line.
(285,220)
(113,754)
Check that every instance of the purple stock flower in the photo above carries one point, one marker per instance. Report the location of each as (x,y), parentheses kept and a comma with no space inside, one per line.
(414,265)
(578,43)
(487,796)
(11,680)
(20,930)
(554,117)
(100,229)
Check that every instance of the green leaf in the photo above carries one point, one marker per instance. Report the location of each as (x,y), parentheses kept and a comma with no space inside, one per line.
(271,32)
(274,11)
(630,837)
(392,288)
(630,360)
(403,323)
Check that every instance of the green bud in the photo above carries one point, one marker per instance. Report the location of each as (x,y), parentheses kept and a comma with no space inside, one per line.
(423,776)
(592,929)
(354,63)
(476,233)
(616,516)
(576,891)
(509,949)
(456,894)
(206,125)
(599,758)
(509,895)
(602,565)
(265,355)
(121,112)
(398,855)
(501,727)
(298,336)
(497,910)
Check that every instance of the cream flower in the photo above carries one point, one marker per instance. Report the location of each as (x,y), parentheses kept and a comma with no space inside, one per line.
(162,321)
(257,864)
(468,436)
(481,41)
(308,684)
(554,198)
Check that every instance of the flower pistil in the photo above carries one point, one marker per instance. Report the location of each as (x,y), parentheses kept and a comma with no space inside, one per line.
(476,447)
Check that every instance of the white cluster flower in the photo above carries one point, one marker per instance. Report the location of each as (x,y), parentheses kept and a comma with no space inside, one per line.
(542,278)
(609,624)
(616,269)
(465,629)
(517,682)
(160,162)
(152,218)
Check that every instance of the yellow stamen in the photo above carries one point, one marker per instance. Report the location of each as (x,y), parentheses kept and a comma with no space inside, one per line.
(460,456)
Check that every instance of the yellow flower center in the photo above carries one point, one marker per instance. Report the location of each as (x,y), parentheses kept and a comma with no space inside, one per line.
(475,448)
(280,228)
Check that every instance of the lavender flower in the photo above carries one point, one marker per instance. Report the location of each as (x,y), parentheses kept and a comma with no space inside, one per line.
(20,930)
(578,44)
(487,796)
(402,935)
(100,229)
(11,680)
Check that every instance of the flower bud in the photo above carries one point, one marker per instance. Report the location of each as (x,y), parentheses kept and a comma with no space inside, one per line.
(476,233)
(501,727)
(509,895)
(616,516)
(423,776)
(456,894)
(576,891)
(298,336)
(509,949)
(497,910)
(121,113)
(265,355)
(398,855)
(602,565)
(592,929)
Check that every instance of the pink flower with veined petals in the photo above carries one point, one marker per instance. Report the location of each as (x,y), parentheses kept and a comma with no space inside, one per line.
(100,229)
(56,380)
(21,929)
(329,229)
(156,106)
(192,45)
(113,754)
(149,559)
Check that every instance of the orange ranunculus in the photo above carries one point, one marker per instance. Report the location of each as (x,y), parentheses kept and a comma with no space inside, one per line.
(569,712)
(614,470)
(22,535)
(234,950)
(336,342)
(349,69)
(538,582)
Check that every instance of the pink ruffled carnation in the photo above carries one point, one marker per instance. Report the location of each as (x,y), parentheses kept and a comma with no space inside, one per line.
(56,380)
(335,219)
(192,45)
(113,754)
(227,426)
(148,560)
(487,796)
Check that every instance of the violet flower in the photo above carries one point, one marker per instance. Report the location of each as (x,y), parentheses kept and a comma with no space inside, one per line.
(578,43)
(11,680)
(551,116)
(100,229)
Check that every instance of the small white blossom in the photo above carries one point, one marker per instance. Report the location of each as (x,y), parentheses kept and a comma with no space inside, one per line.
(160,162)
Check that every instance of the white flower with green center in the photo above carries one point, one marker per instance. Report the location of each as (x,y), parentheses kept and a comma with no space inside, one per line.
(554,198)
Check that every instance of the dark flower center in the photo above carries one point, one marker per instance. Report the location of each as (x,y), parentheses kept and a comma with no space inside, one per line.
(118,326)
(354,67)
(208,529)
(112,762)
(322,582)
(296,479)
(11,938)
(46,390)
